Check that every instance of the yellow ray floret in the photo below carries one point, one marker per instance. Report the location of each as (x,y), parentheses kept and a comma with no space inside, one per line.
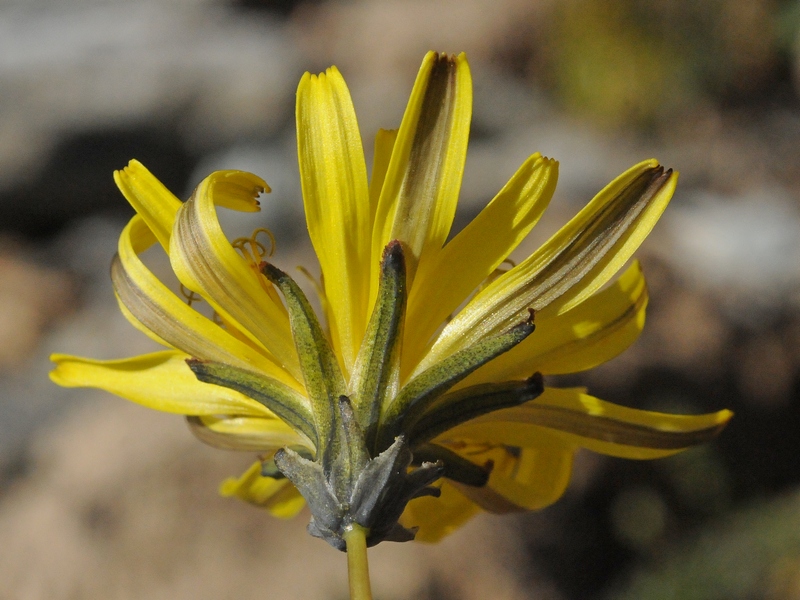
(419,400)
(333,175)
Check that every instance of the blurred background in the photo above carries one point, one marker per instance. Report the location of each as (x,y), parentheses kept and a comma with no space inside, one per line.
(103,499)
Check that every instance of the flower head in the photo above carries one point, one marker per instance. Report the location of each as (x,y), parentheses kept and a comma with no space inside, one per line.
(421,401)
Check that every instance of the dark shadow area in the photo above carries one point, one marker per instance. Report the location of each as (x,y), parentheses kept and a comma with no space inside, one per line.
(279,8)
(77,178)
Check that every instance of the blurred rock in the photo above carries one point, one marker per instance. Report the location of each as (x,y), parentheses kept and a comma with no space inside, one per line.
(686,332)
(122,503)
(92,84)
(31,298)
(82,317)
(346,32)
(744,249)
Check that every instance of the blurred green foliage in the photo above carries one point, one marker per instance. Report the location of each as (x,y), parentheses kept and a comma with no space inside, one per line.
(629,61)
(749,554)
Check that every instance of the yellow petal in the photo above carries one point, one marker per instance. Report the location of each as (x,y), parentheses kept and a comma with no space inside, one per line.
(446,280)
(382,154)
(333,175)
(628,232)
(420,191)
(278,496)
(205,262)
(522,478)
(590,334)
(584,421)
(149,198)
(151,307)
(596,330)
(438,517)
(573,264)
(286,503)
(253,434)
(161,381)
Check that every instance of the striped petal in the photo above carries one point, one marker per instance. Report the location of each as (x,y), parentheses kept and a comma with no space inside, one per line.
(205,262)
(253,434)
(149,198)
(420,191)
(594,332)
(161,381)
(333,175)
(278,496)
(583,421)
(152,308)
(444,282)
(574,263)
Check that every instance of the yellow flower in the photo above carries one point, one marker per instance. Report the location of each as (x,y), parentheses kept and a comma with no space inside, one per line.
(394,370)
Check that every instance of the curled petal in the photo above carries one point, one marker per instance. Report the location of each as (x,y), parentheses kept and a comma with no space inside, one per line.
(596,330)
(149,198)
(278,496)
(161,381)
(154,309)
(205,262)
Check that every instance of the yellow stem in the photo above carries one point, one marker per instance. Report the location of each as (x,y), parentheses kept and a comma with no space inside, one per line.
(355,538)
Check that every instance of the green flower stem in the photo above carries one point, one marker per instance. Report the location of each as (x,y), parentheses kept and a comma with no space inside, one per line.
(355,537)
